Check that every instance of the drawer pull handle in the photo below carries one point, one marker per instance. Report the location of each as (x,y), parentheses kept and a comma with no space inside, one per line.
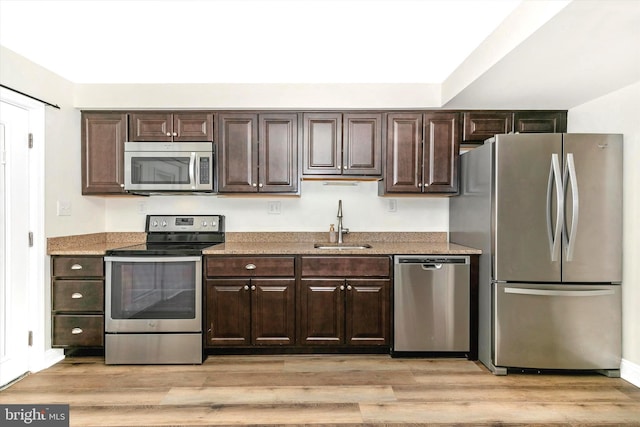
(76,295)
(76,331)
(76,267)
(250,266)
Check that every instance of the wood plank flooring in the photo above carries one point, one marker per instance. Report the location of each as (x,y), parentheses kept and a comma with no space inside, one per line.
(372,390)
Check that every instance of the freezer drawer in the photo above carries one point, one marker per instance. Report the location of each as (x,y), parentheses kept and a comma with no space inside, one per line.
(431,303)
(557,326)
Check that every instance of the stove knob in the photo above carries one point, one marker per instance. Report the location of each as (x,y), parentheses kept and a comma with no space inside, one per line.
(204,223)
(164,223)
(155,223)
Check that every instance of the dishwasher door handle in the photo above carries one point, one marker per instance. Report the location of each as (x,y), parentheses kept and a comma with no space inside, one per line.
(432,266)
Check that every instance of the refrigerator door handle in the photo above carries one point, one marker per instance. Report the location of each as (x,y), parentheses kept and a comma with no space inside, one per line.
(571,178)
(547,292)
(555,236)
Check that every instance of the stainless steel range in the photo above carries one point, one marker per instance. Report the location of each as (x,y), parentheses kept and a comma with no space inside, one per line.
(153,304)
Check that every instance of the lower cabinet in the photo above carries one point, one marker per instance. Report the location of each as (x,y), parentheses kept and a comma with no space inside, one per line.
(77,296)
(345,301)
(250,301)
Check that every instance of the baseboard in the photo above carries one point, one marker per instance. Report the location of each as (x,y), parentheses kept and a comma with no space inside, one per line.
(630,372)
(49,358)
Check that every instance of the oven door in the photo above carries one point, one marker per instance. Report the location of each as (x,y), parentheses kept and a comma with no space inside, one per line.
(153,294)
(168,171)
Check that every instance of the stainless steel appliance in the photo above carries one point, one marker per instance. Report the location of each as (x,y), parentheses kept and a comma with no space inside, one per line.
(153,304)
(165,166)
(431,303)
(546,210)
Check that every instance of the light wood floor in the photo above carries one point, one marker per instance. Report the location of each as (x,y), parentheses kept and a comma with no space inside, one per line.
(324,389)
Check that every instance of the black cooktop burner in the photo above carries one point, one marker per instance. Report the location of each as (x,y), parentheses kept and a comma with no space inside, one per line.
(171,235)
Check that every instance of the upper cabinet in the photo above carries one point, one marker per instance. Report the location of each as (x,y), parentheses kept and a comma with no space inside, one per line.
(171,127)
(479,125)
(258,153)
(342,144)
(422,153)
(103,138)
(540,121)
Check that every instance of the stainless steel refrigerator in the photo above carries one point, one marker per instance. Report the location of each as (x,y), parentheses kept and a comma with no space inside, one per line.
(546,210)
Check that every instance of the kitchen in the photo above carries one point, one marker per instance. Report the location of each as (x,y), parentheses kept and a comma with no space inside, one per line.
(610,106)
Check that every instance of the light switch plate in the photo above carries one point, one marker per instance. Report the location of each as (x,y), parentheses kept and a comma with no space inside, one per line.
(64,208)
(273,208)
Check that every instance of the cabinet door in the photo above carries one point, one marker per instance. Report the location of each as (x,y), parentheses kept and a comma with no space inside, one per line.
(441,150)
(103,137)
(273,311)
(228,312)
(362,145)
(540,121)
(404,153)
(237,157)
(192,127)
(278,166)
(322,143)
(151,127)
(479,126)
(367,312)
(321,311)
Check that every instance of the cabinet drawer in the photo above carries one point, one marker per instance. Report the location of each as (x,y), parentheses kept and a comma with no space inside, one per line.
(346,266)
(78,267)
(250,266)
(87,331)
(482,125)
(78,295)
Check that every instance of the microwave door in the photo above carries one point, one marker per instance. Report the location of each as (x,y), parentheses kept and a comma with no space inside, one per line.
(158,171)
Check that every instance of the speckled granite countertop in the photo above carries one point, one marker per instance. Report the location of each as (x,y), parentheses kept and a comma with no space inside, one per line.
(275,243)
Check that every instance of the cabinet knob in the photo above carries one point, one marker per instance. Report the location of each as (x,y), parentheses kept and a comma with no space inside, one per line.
(419,184)
(345,167)
(122,185)
(246,287)
(253,287)
(76,331)
(175,134)
(76,295)
(76,267)
(342,287)
(168,133)
(254,184)
(260,185)
(349,287)
(250,266)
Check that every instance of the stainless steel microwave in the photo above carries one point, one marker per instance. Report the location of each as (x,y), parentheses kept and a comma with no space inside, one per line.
(168,166)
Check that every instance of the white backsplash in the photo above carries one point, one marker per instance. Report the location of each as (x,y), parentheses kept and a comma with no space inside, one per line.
(314,210)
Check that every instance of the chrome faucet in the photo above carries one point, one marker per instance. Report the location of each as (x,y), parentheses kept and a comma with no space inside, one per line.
(341,230)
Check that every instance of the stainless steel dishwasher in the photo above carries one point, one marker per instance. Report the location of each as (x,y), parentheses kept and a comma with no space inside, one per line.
(431,303)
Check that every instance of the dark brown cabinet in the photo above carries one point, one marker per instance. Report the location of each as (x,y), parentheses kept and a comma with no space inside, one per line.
(345,301)
(342,144)
(540,122)
(171,127)
(481,125)
(103,138)
(77,301)
(250,301)
(422,153)
(258,153)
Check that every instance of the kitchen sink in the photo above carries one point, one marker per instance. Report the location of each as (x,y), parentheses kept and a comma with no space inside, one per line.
(341,246)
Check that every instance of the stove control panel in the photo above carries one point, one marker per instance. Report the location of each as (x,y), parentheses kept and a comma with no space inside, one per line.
(181,223)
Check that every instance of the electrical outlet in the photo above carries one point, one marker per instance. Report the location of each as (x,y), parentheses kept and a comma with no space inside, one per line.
(393,205)
(64,208)
(142,208)
(273,208)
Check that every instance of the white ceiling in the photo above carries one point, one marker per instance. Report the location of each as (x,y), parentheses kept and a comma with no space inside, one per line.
(546,54)
(250,41)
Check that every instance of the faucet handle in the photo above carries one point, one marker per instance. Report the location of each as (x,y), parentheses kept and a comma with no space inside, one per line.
(345,231)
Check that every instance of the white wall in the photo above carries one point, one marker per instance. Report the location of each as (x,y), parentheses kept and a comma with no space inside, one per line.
(619,112)
(363,210)
(62,146)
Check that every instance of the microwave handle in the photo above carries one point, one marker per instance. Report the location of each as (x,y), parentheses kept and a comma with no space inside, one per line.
(192,170)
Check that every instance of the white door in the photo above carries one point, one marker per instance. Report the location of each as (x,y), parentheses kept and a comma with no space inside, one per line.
(14,242)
